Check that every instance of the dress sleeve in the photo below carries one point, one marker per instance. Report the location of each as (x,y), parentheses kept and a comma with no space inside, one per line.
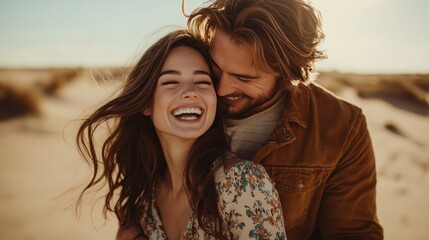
(249,203)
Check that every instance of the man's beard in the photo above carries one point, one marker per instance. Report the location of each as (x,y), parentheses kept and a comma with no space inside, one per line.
(252,103)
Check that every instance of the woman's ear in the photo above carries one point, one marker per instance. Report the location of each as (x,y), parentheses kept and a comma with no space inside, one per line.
(147,112)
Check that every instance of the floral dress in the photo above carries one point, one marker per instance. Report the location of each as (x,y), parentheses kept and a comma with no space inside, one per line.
(248,203)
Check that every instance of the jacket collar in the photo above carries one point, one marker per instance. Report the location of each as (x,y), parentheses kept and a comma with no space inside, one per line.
(296,110)
(298,106)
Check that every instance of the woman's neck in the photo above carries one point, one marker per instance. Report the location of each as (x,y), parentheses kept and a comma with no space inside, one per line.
(176,153)
(171,195)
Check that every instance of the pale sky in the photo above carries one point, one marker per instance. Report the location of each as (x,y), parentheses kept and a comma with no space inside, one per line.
(366,36)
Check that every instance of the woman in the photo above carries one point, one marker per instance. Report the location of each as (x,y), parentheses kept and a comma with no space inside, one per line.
(167,156)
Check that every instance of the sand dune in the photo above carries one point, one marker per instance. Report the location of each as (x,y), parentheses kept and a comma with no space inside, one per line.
(39,163)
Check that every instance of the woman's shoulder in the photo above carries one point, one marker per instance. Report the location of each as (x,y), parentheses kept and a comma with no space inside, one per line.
(237,169)
(248,202)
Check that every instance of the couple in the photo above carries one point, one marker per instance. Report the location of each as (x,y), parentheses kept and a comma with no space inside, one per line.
(168,158)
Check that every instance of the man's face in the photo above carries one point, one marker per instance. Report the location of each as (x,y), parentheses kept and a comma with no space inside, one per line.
(243,89)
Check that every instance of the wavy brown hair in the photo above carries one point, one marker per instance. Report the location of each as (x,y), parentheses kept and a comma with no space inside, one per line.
(131,159)
(282,34)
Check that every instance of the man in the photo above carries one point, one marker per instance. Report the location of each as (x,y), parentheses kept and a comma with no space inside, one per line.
(315,146)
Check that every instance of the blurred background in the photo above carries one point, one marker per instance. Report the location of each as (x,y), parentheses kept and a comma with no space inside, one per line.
(59,59)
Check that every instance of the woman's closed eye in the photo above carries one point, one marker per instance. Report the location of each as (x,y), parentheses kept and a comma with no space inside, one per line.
(169,82)
(203,83)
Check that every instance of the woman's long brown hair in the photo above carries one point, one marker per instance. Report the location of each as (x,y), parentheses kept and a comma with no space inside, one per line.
(131,159)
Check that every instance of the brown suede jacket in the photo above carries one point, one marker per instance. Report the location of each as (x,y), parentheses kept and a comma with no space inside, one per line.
(321,159)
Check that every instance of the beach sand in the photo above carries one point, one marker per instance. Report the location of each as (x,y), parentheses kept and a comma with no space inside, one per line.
(39,164)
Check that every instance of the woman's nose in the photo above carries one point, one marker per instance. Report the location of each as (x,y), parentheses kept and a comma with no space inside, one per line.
(189,92)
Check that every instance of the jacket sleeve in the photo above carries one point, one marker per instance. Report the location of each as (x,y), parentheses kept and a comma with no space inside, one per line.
(348,207)
(250,205)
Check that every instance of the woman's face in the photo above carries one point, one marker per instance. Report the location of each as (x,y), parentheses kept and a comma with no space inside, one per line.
(184,103)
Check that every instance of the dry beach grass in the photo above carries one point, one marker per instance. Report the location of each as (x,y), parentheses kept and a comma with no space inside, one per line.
(39,163)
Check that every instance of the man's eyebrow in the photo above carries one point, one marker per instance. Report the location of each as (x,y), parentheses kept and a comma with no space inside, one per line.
(236,74)
(244,76)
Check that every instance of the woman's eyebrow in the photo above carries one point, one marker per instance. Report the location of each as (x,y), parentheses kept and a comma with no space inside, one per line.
(201,72)
(175,72)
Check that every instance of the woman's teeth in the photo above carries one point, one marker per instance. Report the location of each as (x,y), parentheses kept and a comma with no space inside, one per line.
(187,113)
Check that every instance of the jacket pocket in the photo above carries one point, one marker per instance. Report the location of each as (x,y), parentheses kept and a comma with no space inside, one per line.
(296,187)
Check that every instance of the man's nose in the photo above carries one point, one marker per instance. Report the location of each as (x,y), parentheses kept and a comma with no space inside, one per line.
(226,85)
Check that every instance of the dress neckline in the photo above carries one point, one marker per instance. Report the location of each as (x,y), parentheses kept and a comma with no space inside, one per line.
(157,217)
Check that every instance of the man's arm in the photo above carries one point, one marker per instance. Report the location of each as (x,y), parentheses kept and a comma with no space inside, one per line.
(348,208)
